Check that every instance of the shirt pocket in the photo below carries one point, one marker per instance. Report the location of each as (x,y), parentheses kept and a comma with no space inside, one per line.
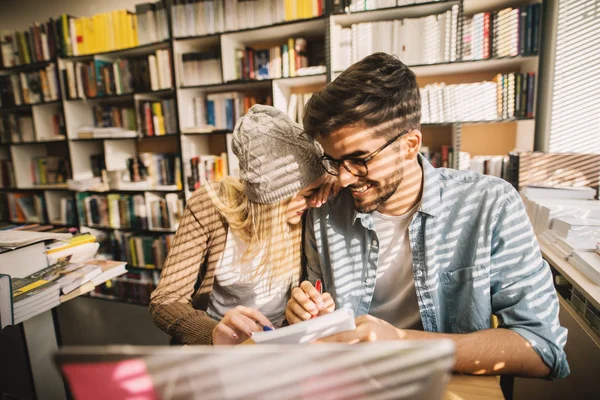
(467,300)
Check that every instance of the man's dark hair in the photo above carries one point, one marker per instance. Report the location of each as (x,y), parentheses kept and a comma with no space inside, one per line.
(379,90)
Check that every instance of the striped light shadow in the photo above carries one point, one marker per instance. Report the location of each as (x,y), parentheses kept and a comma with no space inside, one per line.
(568,169)
(575,122)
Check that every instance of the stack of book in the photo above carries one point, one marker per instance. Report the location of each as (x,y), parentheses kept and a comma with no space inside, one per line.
(512,95)
(132,287)
(488,165)
(441,158)
(505,33)
(7,174)
(30,87)
(24,292)
(296,104)
(16,128)
(416,41)
(158,118)
(106,116)
(153,22)
(567,221)
(146,251)
(197,18)
(103,32)
(113,210)
(207,168)
(165,212)
(68,212)
(545,204)
(49,170)
(104,77)
(26,207)
(288,60)
(222,110)
(160,170)
(39,43)
(201,68)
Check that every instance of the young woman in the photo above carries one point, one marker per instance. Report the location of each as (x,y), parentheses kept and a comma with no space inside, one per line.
(237,252)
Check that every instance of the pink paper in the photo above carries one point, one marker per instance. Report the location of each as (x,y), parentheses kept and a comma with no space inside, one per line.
(121,380)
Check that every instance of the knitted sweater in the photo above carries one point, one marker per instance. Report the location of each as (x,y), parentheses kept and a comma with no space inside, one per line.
(179,302)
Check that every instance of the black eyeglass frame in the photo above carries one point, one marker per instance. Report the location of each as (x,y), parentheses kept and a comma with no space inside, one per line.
(363,161)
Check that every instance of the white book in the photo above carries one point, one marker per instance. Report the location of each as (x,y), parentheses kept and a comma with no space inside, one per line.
(154,82)
(588,263)
(558,192)
(341,320)
(570,228)
(23,261)
(292,106)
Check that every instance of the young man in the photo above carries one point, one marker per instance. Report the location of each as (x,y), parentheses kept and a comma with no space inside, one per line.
(419,252)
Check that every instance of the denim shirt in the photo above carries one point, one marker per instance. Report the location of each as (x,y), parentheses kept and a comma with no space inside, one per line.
(474,254)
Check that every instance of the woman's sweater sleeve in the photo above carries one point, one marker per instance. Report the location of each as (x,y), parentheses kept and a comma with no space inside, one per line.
(171,302)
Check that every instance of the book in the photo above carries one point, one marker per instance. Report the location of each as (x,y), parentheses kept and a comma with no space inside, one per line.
(23,261)
(6,303)
(341,320)
(69,276)
(110,269)
(16,238)
(588,263)
(558,192)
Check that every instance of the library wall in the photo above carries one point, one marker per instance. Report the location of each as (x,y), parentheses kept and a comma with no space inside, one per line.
(19,14)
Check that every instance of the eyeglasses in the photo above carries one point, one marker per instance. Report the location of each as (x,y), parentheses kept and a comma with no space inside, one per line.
(355,166)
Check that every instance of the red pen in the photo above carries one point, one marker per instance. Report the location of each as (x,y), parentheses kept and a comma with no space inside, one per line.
(319,287)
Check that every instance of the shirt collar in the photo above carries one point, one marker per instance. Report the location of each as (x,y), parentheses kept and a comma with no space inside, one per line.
(430,199)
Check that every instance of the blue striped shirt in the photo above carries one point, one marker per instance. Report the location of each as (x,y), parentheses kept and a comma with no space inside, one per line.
(474,254)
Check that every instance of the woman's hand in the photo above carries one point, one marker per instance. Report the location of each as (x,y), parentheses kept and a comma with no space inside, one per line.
(238,325)
(329,187)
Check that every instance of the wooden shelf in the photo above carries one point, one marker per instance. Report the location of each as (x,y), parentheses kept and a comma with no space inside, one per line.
(279,26)
(130,52)
(232,85)
(208,133)
(27,107)
(35,142)
(47,187)
(27,67)
(469,66)
(132,230)
(390,13)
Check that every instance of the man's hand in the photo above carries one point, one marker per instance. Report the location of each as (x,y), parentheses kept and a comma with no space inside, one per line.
(306,302)
(238,325)
(368,329)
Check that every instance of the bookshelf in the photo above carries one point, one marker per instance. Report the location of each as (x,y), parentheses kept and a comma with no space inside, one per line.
(200,56)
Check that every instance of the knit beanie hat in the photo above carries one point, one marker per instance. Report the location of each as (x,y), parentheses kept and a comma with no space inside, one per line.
(276,157)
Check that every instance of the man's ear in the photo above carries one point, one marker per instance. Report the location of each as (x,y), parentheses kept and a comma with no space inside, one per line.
(413,141)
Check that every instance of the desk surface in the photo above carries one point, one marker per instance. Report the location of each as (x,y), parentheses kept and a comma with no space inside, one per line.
(468,387)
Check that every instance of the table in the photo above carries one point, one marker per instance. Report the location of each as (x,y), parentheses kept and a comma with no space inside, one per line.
(469,387)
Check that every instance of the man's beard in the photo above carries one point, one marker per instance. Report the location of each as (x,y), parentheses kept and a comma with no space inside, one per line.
(380,193)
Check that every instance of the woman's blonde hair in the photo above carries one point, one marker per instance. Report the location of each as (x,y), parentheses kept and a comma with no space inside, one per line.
(264,228)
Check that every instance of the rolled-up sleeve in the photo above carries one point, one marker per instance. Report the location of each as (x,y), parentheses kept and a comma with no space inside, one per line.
(522,289)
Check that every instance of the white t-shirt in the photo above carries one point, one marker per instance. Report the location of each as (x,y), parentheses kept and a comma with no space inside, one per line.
(395,298)
(234,285)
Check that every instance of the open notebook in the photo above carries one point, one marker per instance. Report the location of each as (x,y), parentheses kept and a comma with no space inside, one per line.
(341,320)
(381,370)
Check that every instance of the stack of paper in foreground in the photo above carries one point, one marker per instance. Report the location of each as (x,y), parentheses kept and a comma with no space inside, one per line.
(39,270)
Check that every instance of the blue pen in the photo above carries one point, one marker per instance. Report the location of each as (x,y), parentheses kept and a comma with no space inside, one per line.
(264,327)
